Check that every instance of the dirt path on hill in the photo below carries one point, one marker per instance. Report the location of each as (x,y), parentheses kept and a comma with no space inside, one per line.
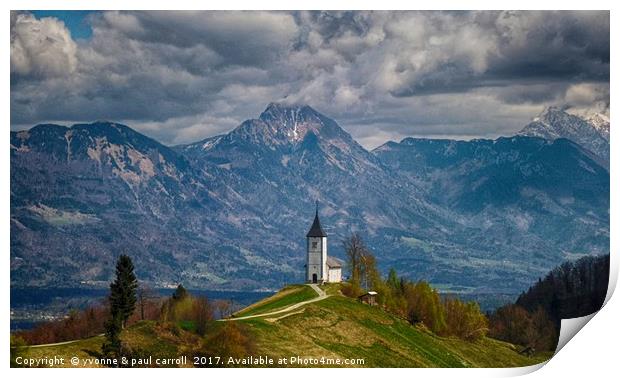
(60,343)
(315,287)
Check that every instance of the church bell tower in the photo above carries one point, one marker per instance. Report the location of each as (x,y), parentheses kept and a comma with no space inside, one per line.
(316,264)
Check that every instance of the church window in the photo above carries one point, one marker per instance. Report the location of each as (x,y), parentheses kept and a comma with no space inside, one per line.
(314,244)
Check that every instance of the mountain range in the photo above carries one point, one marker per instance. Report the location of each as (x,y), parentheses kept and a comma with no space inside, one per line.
(231,211)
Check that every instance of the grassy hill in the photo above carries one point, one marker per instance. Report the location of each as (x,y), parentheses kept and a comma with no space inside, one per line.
(285,297)
(144,338)
(334,328)
(340,327)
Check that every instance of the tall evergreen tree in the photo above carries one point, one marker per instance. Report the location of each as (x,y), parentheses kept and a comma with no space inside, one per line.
(112,347)
(123,291)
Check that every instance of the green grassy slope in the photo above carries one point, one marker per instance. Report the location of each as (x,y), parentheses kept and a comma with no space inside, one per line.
(146,338)
(336,327)
(340,327)
(83,349)
(283,298)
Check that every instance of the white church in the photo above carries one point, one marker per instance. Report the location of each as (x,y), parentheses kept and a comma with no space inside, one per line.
(319,267)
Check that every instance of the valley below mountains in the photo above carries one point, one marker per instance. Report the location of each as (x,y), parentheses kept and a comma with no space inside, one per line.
(231,212)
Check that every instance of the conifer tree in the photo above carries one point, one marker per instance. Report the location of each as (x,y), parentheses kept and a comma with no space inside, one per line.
(112,346)
(122,304)
(123,291)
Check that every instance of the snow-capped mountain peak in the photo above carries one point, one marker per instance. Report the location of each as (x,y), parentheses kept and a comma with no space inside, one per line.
(600,122)
(291,123)
(289,126)
(591,133)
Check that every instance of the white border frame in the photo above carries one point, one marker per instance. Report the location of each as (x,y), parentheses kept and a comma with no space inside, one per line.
(592,353)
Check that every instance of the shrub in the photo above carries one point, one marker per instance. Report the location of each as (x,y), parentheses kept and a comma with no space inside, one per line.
(464,320)
(195,312)
(350,290)
(231,340)
(424,306)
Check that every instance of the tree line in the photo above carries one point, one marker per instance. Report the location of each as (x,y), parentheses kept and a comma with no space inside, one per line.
(571,290)
(417,302)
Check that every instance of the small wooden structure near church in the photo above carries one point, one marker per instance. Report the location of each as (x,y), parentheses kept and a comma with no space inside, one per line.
(369,298)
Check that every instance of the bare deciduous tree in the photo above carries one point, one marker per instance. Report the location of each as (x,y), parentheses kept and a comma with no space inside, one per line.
(224,308)
(145,294)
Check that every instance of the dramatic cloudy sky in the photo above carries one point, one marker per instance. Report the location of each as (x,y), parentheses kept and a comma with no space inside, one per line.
(183,76)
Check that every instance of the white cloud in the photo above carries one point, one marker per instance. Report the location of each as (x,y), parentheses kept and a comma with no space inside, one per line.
(587,98)
(41,48)
(584,94)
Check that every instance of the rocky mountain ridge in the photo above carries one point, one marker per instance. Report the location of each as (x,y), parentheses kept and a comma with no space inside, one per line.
(231,211)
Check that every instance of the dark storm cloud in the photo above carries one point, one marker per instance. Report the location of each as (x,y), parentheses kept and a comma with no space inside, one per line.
(235,38)
(530,47)
(533,93)
(182,76)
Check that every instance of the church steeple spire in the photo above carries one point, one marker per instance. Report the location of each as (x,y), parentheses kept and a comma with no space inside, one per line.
(316,230)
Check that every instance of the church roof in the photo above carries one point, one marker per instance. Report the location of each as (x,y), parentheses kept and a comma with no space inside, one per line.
(316,230)
(333,262)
